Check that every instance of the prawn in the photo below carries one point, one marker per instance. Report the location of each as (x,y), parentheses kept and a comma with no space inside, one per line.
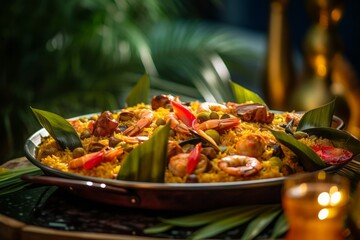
(209,107)
(175,124)
(91,160)
(145,117)
(239,165)
(218,124)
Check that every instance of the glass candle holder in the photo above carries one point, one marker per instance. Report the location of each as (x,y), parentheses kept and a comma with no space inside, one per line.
(315,206)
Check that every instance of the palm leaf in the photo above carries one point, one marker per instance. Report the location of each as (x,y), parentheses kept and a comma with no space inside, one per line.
(146,163)
(280,227)
(318,117)
(256,226)
(236,219)
(10,180)
(200,49)
(59,128)
(200,219)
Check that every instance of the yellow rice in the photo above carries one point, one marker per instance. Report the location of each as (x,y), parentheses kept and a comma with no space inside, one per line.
(59,159)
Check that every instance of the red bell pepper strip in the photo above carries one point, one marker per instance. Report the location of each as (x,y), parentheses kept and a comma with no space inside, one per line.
(184,114)
(101,157)
(332,155)
(190,120)
(94,161)
(194,158)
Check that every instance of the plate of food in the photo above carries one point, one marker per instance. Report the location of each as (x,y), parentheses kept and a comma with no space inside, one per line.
(177,155)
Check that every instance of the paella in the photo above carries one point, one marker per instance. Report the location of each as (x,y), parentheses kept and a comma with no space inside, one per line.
(207,142)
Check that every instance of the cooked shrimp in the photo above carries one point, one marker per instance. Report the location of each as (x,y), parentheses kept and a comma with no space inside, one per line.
(91,160)
(178,164)
(209,107)
(238,165)
(175,124)
(219,124)
(145,117)
(251,145)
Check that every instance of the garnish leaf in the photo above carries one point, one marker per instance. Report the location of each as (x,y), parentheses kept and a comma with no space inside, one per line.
(140,92)
(307,157)
(10,180)
(257,225)
(280,227)
(158,228)
(339,138)
(59,128)
(236,219)
(203,218)
(243,95)
(147,162)
(317,117)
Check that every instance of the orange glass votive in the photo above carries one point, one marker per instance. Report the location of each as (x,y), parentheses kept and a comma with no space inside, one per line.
(315,206)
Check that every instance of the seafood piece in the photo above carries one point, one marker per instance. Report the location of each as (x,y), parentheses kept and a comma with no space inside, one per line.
(136,139)
(251,145)
(105,125)
(218,124)
(173,149)
(240,166)
(293,116)
(91,160)
(163,101)
(254,112)
(145,117)
(208,107)
(187,163)
(175,124)
(332,155)
(189,119)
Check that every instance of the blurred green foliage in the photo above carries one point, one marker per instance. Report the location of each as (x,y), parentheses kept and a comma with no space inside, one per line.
(80,56)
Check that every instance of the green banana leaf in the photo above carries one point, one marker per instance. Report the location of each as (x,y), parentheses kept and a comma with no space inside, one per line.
(146,163)
(140,92)
(317,117)
(307,157)
(243,95)
(59,128)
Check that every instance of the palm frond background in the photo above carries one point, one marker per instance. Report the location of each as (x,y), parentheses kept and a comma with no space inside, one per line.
(76,57)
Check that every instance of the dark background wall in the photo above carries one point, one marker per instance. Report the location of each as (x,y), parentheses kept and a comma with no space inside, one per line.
(254,15)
